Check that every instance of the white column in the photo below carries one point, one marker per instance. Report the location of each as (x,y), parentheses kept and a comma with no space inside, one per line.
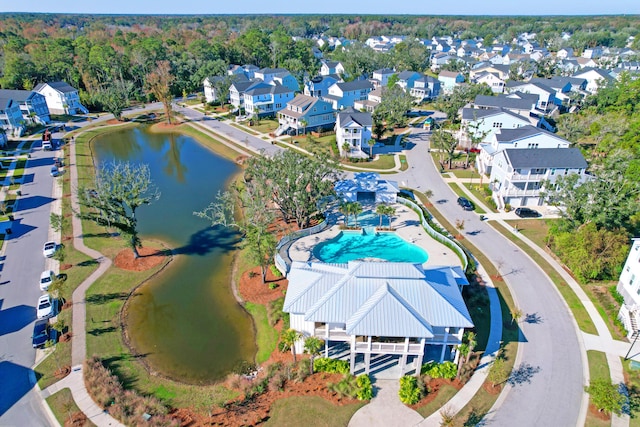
(326,340)
(403,359)
(367,357)
(352,354)
(420,358)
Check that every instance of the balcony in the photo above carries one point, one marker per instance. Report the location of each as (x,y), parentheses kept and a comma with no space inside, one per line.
(334,334)
(530,177)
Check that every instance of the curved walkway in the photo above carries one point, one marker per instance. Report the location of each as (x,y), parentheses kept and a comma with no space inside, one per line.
(75,380)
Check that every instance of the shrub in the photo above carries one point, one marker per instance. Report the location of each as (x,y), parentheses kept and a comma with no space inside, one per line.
(275,271)
(275,313)
(346,387)
(606,396)
(447,370)
(365,389)
(273,286)
(410,392)
(507,207)
(331,366)
(616,295)
(302,369)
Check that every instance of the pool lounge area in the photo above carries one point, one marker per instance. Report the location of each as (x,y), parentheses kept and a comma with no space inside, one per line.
(407,228)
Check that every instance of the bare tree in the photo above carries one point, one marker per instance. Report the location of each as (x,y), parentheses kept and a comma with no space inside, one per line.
(159,84)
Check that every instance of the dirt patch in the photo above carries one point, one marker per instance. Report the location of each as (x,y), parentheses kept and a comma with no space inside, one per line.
(489,388)
(149,258)
(114,122)
(598,414)
(253,290)
(65,266)
(433,386)
(62,372)
(77,419)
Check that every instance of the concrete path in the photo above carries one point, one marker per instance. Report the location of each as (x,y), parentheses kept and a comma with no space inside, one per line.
(385,409)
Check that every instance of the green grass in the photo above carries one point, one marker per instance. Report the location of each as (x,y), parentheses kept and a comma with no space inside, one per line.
(464,173)
(577,309)
(266,335)
(384,162)
(445,393)
(244,129)
(310,411)
(60,357)
(460,192)
(478,191)
(404,165)
(598,369)
(632,380)
(61,404)
(325,144)
(266,126)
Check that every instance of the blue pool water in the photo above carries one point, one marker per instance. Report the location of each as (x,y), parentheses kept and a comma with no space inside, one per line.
(349,246)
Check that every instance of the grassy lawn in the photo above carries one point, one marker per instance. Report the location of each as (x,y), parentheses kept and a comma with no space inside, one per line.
(209,142)
(404,165)
(266,335)
(445,393)
(478,191)
(266,125)
(482,401)
(310,411)
(577,309)
(325,144)
(460,192)
(598,369)
(62,404)
(632,380)
(384,162)
(464,173)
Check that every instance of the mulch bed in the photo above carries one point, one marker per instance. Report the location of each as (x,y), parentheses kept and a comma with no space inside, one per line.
(78,419)
(253,290)
(149,258)
(598,414)
(489,388)
(434,386)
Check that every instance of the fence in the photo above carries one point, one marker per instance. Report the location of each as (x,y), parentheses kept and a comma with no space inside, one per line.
(436,235)
(281,259)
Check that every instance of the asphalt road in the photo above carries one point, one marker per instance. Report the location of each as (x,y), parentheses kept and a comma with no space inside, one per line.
(19,292)
(549,386)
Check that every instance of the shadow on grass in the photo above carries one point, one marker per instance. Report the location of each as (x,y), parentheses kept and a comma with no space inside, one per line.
(104,298)
(99,331)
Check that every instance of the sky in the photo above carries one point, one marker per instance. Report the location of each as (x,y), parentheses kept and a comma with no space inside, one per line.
(416,7)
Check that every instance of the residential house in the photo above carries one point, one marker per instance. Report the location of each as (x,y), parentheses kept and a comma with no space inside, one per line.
(425,88)
(586,62)
(629,288)
(247,70)
(344,94)
(61,98)
(394,310)
(525,137)
(266,99)
(491,57)
(568,66)
(33,105)
(367,187)
(279,75)
(440,59)
(483,123)
(210,92)
(564,53)
(449,80)
(501,71)
(317,53)
(319,85)
(239,87)
(592,52)
(306,113)
(490,79)
(521,105)
(595,78)
(406,79)
(11,119)
(353,128)
(373,100)
(518,177)
(331,67)
(547,100)
(381,76)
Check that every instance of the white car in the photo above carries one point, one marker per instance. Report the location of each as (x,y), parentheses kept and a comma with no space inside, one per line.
(46,278)
(49,249)
(45,307)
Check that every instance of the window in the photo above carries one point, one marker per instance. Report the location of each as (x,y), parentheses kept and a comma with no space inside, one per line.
(278,105)
(633,278)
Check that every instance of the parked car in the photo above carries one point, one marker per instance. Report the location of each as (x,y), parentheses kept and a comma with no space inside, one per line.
(40,334)
(465,203)
(46,278)
(49,249)
(45,307)
(55,171)
(527,213)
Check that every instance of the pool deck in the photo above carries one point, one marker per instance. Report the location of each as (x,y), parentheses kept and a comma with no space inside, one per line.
(407,226)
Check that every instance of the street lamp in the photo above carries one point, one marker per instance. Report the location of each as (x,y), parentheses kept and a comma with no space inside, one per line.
(626,357)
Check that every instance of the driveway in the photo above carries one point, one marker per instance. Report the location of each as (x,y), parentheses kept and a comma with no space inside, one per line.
(20,270)
(548,389)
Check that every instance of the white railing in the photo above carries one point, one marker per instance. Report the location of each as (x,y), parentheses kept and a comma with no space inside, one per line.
(281,259)
(388,348)
(530,177)
(445,240)
(334,334)
(511,192)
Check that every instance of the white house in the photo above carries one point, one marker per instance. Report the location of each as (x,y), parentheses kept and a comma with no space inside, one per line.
(33,105)
(490,79)
(518,103)
(440,59)
(629,288)
(319,85)
(367,187)
(519,176)
(331,67)
(382,75)
(487,121)
(449,80)
(565,52)
(401,310)
(210,94)
(501,71)
(373,100)
(61,98)
(247,70)
(547,99)
(239,87)
(525,137)
(344,94)
(425,88)
(306,113)
(353,128)
(11,119)
(267,99)
(595,78)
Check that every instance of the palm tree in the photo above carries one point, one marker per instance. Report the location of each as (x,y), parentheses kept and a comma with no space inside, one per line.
(346,147)
(290,337)
(313,346)
(345,209)
(356,210)
(390,211)
(463,350)
(470,337)
(304,123)
(371,143)
(382,211)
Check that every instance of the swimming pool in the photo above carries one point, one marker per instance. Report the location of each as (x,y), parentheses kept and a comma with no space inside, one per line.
(349,246)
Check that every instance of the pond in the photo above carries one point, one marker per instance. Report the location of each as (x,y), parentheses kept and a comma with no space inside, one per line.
(185,321)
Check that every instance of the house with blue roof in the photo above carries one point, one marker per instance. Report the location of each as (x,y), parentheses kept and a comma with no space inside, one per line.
(401,310)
